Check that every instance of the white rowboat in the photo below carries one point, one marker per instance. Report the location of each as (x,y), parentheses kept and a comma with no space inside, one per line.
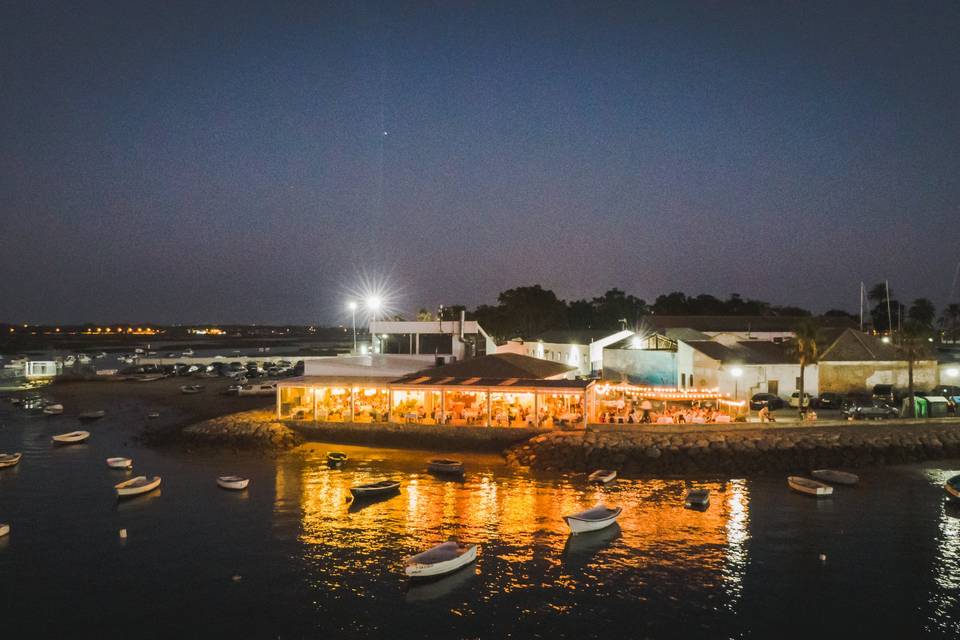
(4,529)
(602,476)
(440,560)
(73,437)
(594,519)
(234,483)
(835,477)
(53,409)
(120,463)
(9,459)
(137,486)
(810,487)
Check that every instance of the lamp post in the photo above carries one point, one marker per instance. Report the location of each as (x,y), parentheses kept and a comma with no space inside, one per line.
(736,372)
(353,312)
(373,304)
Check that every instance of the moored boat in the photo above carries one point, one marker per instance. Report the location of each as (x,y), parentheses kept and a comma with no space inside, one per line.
(9,459)
(234,483)
(4,529)
(191,388)
(153,414)
(137,486)
(120,463)
(593,519)
(373,489)
(697,498)
(809,487)
(602,476)
(440,560)
(835,477)
(445,466)
(336,459)
(54,409)
(92,415)
(952,487)
(73,437)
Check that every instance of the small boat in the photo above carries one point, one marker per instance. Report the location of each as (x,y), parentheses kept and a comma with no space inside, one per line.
(92,415)
(697,498)
(53,409)
(373,489)
(234,483)
(835,477)
(4,529)
(336,459)
(191,388)
(188,351)
(594,519)
(120,463)
(952,487)
(440,560)
(9,459)
(445,467)
(810,487)
(137,486)
(73,437)
(153,414)
(602,476)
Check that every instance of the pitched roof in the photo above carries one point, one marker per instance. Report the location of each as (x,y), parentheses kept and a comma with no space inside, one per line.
(507,384)
(741,323)
(715,350)
(499,365)
(854,346)
(746,352)
(574,336)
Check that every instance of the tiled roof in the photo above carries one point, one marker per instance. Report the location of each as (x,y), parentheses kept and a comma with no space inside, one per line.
(574,336)
(741,323)
(500,365)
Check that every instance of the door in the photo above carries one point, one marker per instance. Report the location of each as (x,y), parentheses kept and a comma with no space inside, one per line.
(773,386)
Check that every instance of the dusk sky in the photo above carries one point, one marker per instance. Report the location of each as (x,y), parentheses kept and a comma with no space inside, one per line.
(241,162)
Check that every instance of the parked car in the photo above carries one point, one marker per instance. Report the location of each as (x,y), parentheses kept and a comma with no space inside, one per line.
(265,389)
(761,400)
(795,399)
(829,400)
(946,391)
(886,393)
(872,411)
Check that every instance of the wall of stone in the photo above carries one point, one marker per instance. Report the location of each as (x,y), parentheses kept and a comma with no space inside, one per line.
(844,377)
(415,436)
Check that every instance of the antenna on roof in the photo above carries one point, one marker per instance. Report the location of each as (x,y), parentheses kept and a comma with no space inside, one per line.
(862,292)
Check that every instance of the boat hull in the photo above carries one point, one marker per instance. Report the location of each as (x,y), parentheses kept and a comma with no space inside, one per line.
(952,487)
(129,489)
(579,524)
(4,529)
(120,463)
(437,569)
(233,484)
(810,487)
(362,492)
(11,461)
(602,476)
(71,438)
(697,499)
(445,468)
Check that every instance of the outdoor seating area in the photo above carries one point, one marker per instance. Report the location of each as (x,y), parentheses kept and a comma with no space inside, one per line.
(632,404)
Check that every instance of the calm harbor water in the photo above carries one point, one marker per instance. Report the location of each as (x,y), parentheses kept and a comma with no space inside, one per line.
(310,564)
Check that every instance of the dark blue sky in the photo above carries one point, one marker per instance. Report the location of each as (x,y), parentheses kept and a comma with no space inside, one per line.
(226,162)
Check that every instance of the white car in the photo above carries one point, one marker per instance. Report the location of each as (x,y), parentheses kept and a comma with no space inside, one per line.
(795,400)
(264,389)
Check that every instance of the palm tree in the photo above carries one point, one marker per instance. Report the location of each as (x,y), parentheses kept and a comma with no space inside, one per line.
(951,318)
(806,349)
(913,339)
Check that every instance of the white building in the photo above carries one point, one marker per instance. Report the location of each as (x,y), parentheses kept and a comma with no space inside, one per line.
(449,340)
(582,349)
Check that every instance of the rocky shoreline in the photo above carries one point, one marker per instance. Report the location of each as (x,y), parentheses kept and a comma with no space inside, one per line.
(738,450)
(245,430)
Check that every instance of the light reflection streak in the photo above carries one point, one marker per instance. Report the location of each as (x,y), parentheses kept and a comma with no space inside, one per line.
(944,599)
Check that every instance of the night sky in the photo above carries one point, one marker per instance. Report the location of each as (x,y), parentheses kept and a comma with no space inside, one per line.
(204,162)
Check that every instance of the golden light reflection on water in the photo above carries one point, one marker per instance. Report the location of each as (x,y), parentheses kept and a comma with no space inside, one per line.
(518,521)
(944,600)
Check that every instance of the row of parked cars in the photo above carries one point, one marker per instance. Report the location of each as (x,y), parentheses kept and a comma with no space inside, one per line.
(884,401)
(235,370)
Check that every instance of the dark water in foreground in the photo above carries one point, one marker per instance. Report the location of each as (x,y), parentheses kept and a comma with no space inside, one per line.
(311,566)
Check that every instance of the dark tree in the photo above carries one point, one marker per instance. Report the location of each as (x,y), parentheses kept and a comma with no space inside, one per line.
(922,312)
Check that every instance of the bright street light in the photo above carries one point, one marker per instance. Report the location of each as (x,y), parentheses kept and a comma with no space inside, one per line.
(952,372)
(736,372)
(373,303)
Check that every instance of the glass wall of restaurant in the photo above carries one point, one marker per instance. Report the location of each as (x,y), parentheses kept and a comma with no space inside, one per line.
(333,404)
(415,405)
(512,409)
(466,408)
(371,404)
(560,410)
(296,403)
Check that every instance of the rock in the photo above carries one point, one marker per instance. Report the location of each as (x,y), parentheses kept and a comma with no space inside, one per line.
(652,452)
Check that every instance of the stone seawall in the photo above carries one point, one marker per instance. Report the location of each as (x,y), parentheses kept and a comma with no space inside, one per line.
(738,450)
(244,430)
(415,436)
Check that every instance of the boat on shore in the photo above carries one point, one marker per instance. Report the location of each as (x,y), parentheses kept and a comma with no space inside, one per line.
(952,487)
(835,477)
(602,476)
(446,467)
(9,459)
(593,519)
(233,483)
(120,463)
(375,489)
(87,416)
(153,415)
(191,388)
(74,437)
(54,409)
(697,498)
(810,487)
(137,486)
(440,560)
(336,459)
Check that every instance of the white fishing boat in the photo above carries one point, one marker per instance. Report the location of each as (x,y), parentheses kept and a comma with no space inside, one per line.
(9,459)
(440,560)
(92,415)
(191,388)
(120,463)
(374,489)
(234,483)
(835,477)
(4,529)
(602,476)
(809,487)
(137,486)
(697,498)
(445,466)
(73,437)
(593,519)
(53,409)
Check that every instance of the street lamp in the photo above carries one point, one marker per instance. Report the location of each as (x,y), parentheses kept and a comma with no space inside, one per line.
(353,312)
(373,304)
(736,372)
